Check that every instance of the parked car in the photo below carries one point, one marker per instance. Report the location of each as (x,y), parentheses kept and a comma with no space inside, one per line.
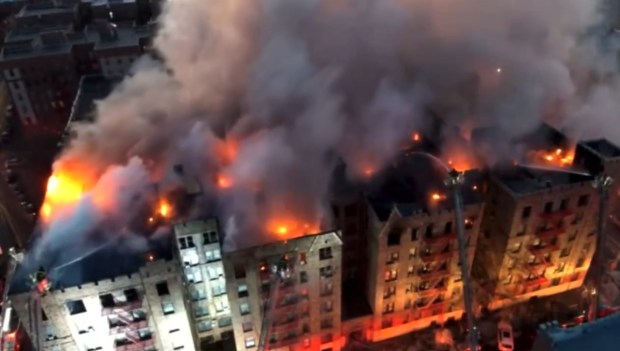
(505,338)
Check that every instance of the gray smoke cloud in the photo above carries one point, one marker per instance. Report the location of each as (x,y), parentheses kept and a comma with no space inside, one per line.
(298,84)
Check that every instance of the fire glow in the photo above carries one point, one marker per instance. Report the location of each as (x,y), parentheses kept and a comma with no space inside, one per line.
(436,197)
(164,209)
(63,189)
(558,157)
(288,229)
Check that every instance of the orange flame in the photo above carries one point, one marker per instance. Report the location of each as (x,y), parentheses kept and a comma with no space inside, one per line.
(289,228)
(557,158)
(164,209)
(415,136)
(63,189)
(227,151)
(224,182)
(437,197)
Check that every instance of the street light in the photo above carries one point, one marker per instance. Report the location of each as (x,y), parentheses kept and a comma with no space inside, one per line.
(454,182)
(602,183)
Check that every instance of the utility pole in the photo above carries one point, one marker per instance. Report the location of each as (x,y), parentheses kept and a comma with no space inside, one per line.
(602,183)
(454,182)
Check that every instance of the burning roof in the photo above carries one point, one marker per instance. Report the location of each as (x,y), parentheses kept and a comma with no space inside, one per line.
(415,184)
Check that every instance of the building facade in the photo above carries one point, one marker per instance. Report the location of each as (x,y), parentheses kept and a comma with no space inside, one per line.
(538,235)
(288,292)
(198,244)
(415,277)
(141,311)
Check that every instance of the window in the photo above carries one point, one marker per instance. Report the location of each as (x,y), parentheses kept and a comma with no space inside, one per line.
(516,247)
(325,253)
(250,342)
(393,238)
(183,243)
(209,238)
(244,308)
(389,291)
(560,267)
(327,323)
(198,294)
(448,228)
(414,234)
(412,253)
(167,307)
(302,258)
(563,204)
(75,307)
(200,311)
(247,326)
(242,290)
(162,289)
(326,271)
(508,279)
(429,231)
(303,277)
(580,262)
(205,326)
(213,255)
(565,252)
(224,322)
(327,306)
(527,212)
(393,258)
(239,271)
(388,308)
(586,246)
(410,272)
(391,274)
(327,289)
(386,323)
(583,200)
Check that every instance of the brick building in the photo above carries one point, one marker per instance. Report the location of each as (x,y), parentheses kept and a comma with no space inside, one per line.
(414,277)
(538,234)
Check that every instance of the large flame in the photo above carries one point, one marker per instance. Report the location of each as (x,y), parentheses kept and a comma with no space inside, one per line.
(557,158)
(164,208)
(287,228)
(63,189)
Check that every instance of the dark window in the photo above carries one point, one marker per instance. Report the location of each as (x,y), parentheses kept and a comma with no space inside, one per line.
(162,289)
(448,228)
(527,211)
(564,204)
(303,277)
(325,253)
(583,200)
(76,307)
(429,231)
(394,237)
(183,243)
(239,271)
(209,237)
(190,241)
(131,295)
(548,207)
(43,315)
(242,290)
(107,300)
(414,234)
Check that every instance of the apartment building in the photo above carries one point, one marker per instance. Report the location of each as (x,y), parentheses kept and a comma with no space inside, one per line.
(144,310)
(45,55)
(198,245)
(538,235)
(288,292)
(414,276)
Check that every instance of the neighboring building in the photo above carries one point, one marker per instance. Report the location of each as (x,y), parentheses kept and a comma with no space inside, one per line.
(538,235)
(305,306)
(47,52)
(600,335)
(414,276)
(198,243)
(92,89)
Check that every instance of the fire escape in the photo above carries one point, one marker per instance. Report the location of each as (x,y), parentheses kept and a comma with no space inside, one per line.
(281,303)
(432,282)
(128,319)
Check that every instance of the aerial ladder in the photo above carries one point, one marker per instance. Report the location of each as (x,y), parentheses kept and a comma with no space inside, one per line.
(278,273)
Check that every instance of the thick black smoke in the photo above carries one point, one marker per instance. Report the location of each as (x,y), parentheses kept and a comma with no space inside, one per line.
(299,84)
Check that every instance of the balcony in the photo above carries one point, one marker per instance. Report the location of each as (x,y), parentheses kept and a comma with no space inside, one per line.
(136,346)
(432,291)
(555,215)
(550,233)
(539,250)
(437,256)
(441,238)
(121,307)
(129,326)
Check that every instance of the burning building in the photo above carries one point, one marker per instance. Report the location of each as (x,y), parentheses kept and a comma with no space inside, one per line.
(414,277)
(287,294)
(538,233)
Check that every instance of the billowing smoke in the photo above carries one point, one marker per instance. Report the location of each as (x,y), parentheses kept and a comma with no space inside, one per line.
(263,98)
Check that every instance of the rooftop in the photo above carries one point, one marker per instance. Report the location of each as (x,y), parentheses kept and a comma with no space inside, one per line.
(98,263)
(92,88)
(524,180)
(600,335)
(603,148)
(409,184)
